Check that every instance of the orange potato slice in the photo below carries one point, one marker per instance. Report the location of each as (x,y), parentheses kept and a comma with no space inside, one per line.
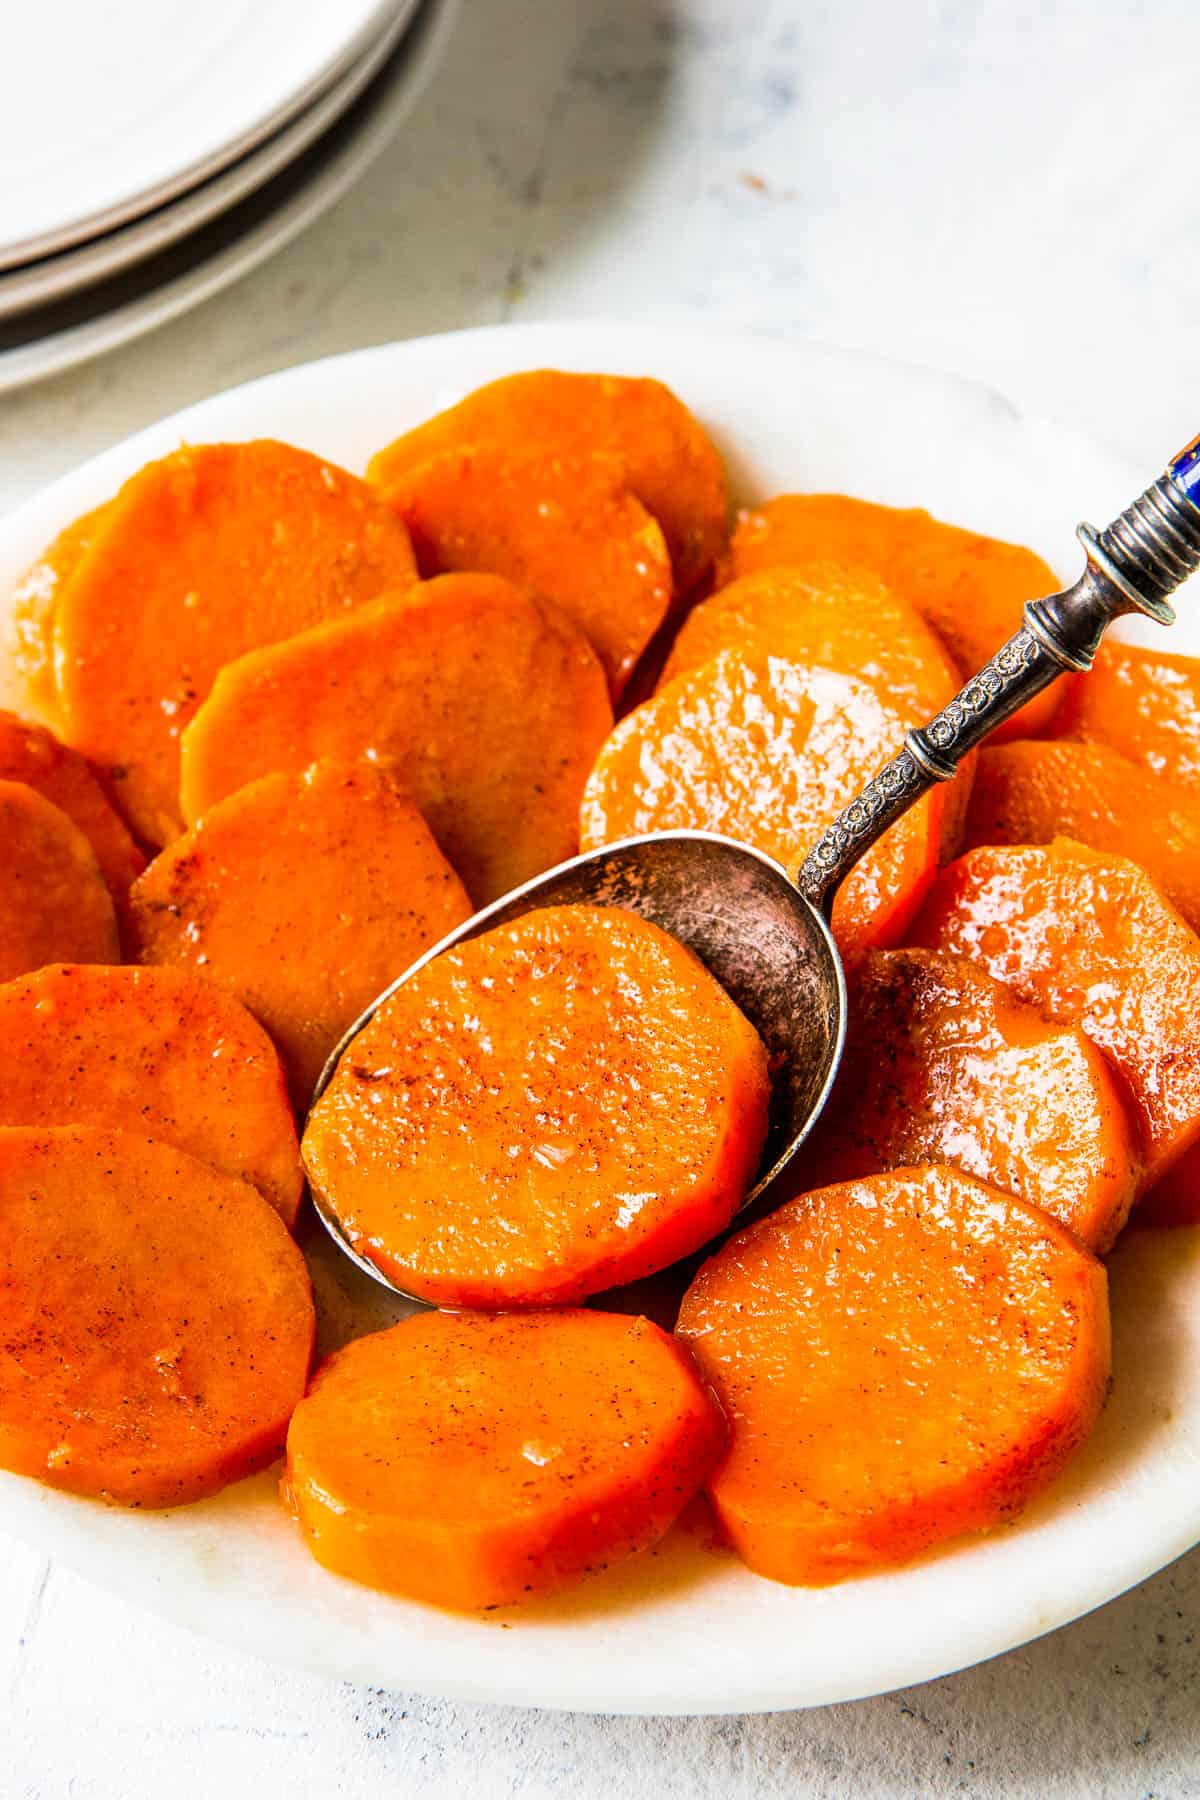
(567,527)
(303,896)
(156,1318)
(488,704)
(969,588)
(1143,703)
(567,1102)
(769,751)
(669,460)
(943,1065)
(1087,938)
(31,754)
(54,902)
(902,1360)
(200,557)
(159,1051)
(471,1461)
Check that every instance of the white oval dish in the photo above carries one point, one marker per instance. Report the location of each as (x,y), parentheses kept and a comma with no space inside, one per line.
(157,95)
(54,278)
(173,280)
(687,1631)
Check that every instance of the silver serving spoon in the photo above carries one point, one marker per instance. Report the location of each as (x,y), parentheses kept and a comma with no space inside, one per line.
(765,933)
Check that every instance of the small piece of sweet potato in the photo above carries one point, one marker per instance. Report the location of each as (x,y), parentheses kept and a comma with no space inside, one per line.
(944,1065)
(901,1360)
(156,1318)
(54,901)
(202,556)
(31,754)
(159,1051)
(471,1461)
(303,896)
(1143,703)
(969,588)
(488,704)
(669,460)
(1086,937)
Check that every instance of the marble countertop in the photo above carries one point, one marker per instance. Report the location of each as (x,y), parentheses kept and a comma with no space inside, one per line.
(996,187)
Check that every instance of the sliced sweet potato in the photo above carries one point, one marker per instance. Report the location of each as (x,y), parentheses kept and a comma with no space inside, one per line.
(1144,703)
(902,1360)
(1086,937)
(1033,792)
(156,1318)
(567,527)
(969,588)
(566,1102)
(54,902)
(27,681)
(669,460)
(471,1461)
(303,896)
(943,1065)
(200,557)
(834,617)
(31,754)
(159,1050)
(769,751)
(488,704)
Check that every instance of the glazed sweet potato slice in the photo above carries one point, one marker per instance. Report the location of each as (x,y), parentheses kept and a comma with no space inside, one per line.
(472,1461)
(567,527)
(969,588)
(27,681)
(1033,792)
(1143,703)
(567,1102)
(901,1360)
(769,751)
(943,1065)
(669,460)
(159,1050)
(156,1318)
(207,554)
(1086,937)
(303,896)
(488,704)
(834,617)
(54,902)
(31,754)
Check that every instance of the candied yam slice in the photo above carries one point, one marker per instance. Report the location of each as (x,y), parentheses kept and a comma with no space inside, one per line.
(472,1461)
(303,896)
(156,1318)
(902,1360)
(487,703)
(27,681)
(943,1065)
(969,588)
(566,1102)
(669,460)
(567,527)
(31,754)
(769,751)
(54,902)
(1143,703)
(835,617)
(1086,937)
(159,1051)
(209,553)
(1033,792)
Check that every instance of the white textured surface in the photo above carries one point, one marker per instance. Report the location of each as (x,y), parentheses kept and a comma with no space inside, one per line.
(993,186)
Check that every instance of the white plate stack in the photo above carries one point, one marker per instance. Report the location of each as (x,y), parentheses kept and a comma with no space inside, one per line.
(153,150)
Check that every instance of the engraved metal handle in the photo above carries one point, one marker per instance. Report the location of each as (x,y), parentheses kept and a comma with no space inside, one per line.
(1133,566)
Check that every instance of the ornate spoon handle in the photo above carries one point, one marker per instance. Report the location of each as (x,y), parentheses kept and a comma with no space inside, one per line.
(1133,566)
